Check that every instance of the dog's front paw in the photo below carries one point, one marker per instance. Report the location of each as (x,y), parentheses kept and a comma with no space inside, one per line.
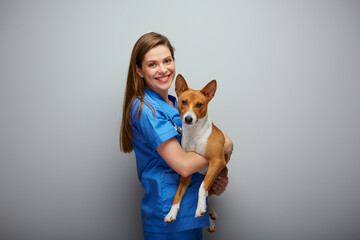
(170,218)
(200,211)
(172,214)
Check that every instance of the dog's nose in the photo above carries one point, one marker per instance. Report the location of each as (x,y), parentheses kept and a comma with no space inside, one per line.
(188,119)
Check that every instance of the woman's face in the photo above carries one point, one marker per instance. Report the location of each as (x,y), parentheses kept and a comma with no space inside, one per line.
(158,69)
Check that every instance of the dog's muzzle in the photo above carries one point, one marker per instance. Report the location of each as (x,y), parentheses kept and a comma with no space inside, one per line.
(189,118)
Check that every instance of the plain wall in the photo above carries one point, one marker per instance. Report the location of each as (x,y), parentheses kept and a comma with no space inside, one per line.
(288,95)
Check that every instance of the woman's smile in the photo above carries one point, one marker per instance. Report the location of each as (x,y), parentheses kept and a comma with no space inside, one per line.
(164,79)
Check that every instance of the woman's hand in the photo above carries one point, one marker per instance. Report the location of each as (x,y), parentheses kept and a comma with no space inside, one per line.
(228,147)
(219,185)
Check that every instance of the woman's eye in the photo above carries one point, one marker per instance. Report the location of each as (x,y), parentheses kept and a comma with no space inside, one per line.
(152,65)
(168,61)
(199,105)
(184,102)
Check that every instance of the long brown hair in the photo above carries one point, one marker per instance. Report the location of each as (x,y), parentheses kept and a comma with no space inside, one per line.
(135,86)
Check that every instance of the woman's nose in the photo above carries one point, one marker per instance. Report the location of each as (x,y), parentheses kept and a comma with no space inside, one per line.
(162,68)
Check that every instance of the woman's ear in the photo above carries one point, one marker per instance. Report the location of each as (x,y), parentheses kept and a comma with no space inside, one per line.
(139,72)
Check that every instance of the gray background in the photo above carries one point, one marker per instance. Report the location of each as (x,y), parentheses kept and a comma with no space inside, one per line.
(288,96)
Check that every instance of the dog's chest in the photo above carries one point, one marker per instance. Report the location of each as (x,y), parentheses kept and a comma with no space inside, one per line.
(195,140)
(194,145)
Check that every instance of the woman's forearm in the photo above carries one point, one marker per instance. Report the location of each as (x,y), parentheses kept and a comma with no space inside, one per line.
(184,163)
(193,163)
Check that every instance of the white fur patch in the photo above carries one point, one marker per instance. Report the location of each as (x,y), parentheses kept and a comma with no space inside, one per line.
(173,213)
(195,136)
(201,207)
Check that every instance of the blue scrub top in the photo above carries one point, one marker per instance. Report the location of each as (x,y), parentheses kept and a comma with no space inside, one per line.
(159,180)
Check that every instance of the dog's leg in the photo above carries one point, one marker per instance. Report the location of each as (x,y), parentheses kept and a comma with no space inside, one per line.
(183,185)
(212,226)
(212,216)
(215,167)
(224,172)
(212,213)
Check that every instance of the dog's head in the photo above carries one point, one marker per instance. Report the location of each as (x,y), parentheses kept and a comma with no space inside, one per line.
(192,104)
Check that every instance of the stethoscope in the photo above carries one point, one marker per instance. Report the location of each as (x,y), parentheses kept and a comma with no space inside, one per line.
(179,129)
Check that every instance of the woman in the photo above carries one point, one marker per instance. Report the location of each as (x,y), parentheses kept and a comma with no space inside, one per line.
(148,127)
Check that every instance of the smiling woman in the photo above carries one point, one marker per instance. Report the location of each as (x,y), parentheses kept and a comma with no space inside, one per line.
(148,129)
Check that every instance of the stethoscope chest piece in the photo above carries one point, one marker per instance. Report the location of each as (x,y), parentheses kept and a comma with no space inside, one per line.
(178,129)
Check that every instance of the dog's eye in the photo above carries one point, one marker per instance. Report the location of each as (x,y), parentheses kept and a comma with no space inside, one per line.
(199,105)
(184,102)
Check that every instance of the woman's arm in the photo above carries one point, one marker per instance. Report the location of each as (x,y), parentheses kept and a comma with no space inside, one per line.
(187,163)
(184,163)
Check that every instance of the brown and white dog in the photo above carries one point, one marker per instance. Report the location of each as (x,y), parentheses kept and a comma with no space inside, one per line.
(202,136)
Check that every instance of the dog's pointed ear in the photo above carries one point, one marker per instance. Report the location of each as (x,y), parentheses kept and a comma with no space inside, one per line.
(209,90)
(180,85)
